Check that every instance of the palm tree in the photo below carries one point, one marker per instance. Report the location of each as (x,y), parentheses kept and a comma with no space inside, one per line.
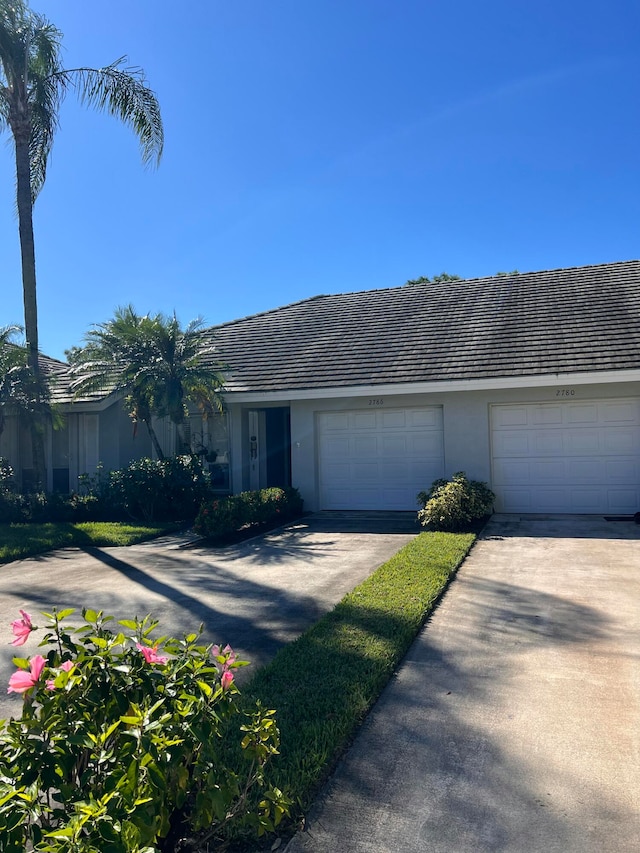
(155,364)
(18,393)
(33,84)
(11,359)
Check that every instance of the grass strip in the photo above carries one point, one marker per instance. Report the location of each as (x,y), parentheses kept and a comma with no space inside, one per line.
(323,684)
(26,540)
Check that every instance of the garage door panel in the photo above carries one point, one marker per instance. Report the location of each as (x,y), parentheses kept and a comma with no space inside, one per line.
(363,420)
(364,446)
(337,421)
(393,419)
(581,414)
(586,470)
(622,500)
(568,457)
(548,471)
(510,471)
(547,441)
(586,500)
(419,418)
(620,413)
(545,415)
(617,440)
(511,444)
(378,459)
(365,471)
(338,447)
(581,441)
(394,444)
(398,471)
(622,471)
(511,416)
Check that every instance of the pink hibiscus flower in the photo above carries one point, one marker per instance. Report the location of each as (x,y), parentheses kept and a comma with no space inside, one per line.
(67,666)
(21,629)
(150,654)
(227,679)
(23,679)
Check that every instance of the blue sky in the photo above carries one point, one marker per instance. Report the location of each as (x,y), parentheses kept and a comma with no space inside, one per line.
(324,146)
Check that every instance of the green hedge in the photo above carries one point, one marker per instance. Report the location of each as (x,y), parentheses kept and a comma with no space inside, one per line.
(146,490)
(220,517)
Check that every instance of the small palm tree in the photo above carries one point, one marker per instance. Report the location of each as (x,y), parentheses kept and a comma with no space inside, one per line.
(155,364)
(33,84)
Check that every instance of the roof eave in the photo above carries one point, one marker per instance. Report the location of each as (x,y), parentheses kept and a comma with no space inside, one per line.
(442,386)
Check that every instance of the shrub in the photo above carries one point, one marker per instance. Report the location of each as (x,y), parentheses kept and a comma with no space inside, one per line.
(165,489)
(453,504)
(120,745)
(16,507)
(7,482)
(224,516)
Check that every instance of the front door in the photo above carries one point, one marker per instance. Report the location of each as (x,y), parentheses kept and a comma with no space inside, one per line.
(269,448)
(257,473)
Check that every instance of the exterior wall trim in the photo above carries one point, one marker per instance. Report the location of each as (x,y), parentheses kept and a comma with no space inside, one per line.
(494,383)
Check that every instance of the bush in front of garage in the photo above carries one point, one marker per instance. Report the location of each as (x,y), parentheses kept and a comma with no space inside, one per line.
(454,504)
(222,517)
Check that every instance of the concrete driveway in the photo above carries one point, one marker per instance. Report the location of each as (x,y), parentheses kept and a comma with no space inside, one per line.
(257,596)
(513,724)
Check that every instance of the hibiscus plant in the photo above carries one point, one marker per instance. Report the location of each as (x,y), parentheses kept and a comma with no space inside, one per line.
(123,743)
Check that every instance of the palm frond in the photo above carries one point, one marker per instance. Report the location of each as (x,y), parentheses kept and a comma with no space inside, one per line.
(122,92)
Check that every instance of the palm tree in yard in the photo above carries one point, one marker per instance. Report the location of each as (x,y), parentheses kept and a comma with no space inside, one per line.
(17,392)
(33,84)
(11,360)
(155,364)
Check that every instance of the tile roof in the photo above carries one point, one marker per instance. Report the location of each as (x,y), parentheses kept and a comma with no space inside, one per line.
(556,321)
(574,320)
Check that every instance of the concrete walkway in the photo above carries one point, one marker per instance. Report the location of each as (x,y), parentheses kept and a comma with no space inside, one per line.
(514,723)
(257,596)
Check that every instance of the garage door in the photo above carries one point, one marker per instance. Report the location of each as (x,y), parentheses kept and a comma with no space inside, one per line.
(574,457)
(378,458)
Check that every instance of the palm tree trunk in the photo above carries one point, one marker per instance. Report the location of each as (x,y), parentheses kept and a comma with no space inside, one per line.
(27,249)
(154,440)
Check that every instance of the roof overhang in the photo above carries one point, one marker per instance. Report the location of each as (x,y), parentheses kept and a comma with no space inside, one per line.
(599,377)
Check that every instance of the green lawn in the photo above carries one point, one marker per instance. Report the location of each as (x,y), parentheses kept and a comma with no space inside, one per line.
(25,540)
(323,684)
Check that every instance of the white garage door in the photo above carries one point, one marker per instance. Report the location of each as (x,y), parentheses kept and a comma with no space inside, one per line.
(378,458)
(574,457)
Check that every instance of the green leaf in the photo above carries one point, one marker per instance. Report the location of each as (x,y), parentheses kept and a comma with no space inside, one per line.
(206,688)
(64,613)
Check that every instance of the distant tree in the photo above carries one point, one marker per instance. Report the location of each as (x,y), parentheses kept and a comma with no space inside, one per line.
(445,276)
(157,365)
(503,274)
(423,279)
(18,394)
(33,83)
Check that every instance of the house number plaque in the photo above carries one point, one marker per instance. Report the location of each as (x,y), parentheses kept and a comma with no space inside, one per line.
(566,392)
(376,401)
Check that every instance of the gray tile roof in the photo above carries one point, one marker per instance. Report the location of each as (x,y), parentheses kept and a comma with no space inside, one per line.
(557,321)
